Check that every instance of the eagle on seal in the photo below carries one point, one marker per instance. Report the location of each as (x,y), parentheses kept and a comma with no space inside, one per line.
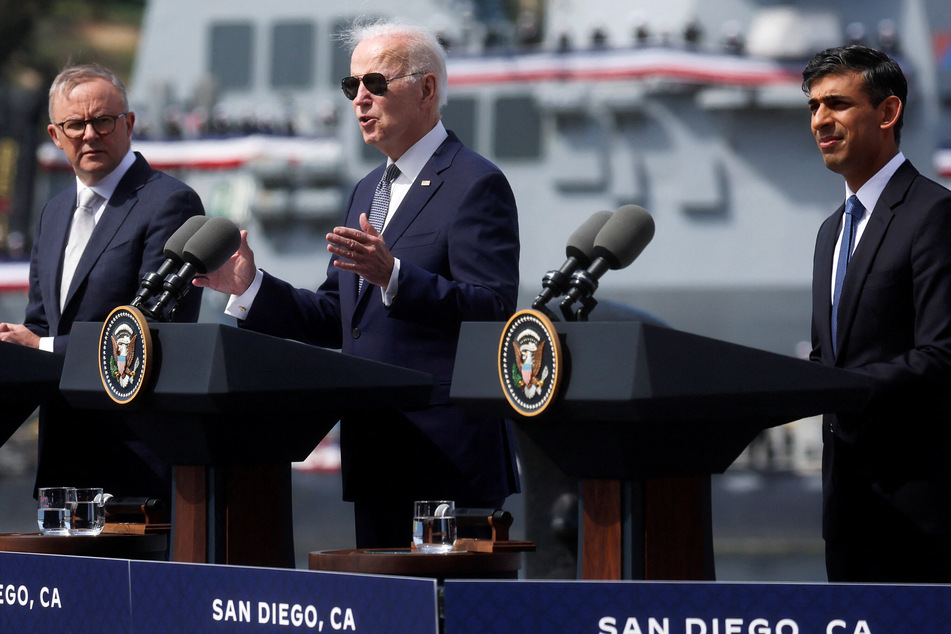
(531,359)
(123,352)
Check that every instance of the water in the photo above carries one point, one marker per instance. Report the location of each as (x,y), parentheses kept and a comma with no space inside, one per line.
(434,534)
(767,527)
(88,518)
(53,521)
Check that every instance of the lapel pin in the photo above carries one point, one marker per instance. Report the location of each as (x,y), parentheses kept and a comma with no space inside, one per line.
(424,183)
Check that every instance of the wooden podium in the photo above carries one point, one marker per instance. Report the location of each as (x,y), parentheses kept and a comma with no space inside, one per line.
(645,415)
(231,409)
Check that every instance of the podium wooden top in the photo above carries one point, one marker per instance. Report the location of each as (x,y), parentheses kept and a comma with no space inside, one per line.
(408,563)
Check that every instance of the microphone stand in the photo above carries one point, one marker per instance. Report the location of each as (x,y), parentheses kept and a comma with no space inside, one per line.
(587,305)
(542,307)
(587,284)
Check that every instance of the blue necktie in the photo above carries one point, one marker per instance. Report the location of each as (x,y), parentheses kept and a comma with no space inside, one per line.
(381,203)
(853,213)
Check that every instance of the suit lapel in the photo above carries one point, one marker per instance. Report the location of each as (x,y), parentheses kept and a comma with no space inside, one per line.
(420,193)
(113,216)
(822,289)
(863,257)
(427,184)
(61,217)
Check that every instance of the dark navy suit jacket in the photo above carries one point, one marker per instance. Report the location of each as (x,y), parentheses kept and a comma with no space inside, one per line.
(78,448)
(128,242)
(456,235)
(895,327)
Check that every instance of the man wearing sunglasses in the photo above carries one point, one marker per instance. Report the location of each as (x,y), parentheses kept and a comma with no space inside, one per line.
(92,245)
(446,252)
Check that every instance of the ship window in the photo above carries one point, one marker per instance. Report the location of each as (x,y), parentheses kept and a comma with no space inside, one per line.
(459,115)
(517,132)
(292,55)
(231,54)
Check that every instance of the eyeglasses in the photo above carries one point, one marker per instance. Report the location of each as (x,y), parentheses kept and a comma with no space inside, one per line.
(103,124)
(376,83)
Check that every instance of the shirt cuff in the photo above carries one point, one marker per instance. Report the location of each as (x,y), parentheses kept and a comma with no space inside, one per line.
(389,293)
(46,344)
(239,305)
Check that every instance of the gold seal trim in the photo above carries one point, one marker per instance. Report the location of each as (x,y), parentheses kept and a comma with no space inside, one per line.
(530,362)
(125,329)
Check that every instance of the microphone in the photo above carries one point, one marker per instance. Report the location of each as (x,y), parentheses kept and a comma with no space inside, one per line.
(579,251)
(211,246)
(152,282)
(623,238)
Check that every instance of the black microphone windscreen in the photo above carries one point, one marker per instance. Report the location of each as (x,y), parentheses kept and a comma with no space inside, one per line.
(581,243)
(212,245)
(176,242)
(624,236)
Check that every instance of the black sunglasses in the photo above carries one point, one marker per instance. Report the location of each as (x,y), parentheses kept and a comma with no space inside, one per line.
(376,83)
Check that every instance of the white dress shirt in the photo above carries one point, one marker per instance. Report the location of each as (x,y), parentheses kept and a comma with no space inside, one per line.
(411,163)
(105,188)
(868,194)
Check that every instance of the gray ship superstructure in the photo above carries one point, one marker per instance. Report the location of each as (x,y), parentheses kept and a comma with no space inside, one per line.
(690,109)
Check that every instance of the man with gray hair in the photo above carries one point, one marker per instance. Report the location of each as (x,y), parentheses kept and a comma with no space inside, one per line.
(92,245)
(430,240)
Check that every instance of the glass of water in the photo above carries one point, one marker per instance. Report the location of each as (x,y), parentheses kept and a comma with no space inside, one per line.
(434,526)
(88,511)
(54,509)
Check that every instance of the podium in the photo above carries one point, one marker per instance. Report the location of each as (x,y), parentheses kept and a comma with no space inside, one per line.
(230,409)
(28,377)
(647,414)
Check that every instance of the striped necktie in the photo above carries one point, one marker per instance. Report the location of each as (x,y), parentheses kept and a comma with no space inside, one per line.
(380,206)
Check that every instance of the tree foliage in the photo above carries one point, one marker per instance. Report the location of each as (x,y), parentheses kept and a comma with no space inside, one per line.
(39,37)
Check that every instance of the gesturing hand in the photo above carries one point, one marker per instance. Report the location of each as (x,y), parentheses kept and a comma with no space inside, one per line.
(362,252)
(235,276)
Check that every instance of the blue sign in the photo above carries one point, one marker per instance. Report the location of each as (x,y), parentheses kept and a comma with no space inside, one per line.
(169,597)
(54,593)
(693,608)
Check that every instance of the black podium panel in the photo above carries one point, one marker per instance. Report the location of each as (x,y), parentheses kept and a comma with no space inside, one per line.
(643,400)
(27,378)
(222,395)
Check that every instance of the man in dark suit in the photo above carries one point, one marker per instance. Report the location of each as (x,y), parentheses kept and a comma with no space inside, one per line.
(80,272)
(448,253)
(882,307)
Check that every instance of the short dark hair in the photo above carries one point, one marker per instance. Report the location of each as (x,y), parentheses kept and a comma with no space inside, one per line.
(883,76)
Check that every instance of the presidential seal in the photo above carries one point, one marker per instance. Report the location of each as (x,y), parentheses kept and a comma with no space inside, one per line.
(125,353)
(530,364)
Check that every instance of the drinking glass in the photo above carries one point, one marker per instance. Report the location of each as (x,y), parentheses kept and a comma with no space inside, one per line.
(53,515)
(88,511)
(434,526)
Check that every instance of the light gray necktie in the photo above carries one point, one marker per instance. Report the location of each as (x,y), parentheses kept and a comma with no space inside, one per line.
(84,221)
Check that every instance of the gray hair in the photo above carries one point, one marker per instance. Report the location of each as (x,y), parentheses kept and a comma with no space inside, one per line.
(423,52)
(72,76)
